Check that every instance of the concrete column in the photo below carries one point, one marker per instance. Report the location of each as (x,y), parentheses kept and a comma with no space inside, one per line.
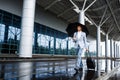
(82,17)
(106,53)
(98,48)
(67,50)
(111,52)
(118,51)
(27,28)
(114,52)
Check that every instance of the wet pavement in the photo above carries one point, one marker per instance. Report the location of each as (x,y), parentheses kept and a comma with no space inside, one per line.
(46,70)
(115,76)
(52,70)
(88,75)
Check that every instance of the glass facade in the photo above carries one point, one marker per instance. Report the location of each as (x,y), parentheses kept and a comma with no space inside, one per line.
(45,39)
(9,32)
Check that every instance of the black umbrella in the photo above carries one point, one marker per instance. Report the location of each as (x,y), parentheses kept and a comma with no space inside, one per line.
(72,28)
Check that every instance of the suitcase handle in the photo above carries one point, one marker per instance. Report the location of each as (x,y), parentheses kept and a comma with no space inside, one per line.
(88,53)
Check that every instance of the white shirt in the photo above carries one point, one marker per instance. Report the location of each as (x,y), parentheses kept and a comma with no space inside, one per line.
(80,38)
(78,35)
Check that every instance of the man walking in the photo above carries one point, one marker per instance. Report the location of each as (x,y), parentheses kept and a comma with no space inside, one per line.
(81,43)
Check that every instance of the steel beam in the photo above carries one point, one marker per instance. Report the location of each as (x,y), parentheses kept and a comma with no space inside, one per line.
(84,5)
(103,15)
(116,10)
(73,18)
(110,29)
(111,53)
(76,7)
(101,7)
(106,53)
(54,2)
(104,21)
(98,49)
(65,11)
(81,12)
(90,5)
(114,52)
(113,15)
(91,20)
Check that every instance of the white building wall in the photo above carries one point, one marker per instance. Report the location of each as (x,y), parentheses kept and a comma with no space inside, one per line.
(49,19)
(12,6)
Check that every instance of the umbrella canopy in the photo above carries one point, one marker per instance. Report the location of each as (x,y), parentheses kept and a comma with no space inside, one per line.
(72,28)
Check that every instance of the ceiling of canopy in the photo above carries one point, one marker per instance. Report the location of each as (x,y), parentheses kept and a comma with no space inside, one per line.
(63,9)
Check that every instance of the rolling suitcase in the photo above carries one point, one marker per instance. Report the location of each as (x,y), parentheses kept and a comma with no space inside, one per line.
(90,62)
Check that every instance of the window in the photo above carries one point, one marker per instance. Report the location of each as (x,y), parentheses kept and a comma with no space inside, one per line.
(45,39)
(48,40)
(14,33)
(72,50)
(9,32)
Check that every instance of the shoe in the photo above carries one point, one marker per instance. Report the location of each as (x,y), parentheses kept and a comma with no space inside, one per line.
(80,69)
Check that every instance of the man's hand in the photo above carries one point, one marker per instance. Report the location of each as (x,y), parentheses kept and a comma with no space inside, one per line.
(74,39)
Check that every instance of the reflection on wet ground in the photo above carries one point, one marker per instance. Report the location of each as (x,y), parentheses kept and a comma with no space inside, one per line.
(115,76)
(57,70)
(52,68)
(88,75)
